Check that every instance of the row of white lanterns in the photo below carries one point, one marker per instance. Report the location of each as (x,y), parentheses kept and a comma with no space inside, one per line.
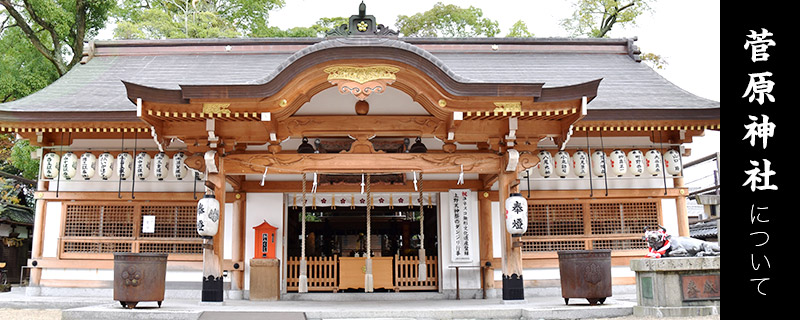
(635,161)
(70,165)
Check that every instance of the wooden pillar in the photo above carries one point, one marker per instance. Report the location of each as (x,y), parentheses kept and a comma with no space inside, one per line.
(485,232)
(213,248)
(238,236)
(513,288)
(682,211)
(38,233)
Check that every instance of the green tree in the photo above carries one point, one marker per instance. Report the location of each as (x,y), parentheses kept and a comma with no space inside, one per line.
(519,30)
(447,21)
(57,29)
(160,19)
(595,18)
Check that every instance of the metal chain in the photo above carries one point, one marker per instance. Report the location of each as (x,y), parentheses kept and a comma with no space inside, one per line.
(369,219)
(421,215)
(303,222)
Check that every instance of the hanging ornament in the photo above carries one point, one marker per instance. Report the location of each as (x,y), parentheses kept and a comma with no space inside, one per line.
(178,169)
(124,165)
(105,165)
(88,164)
(69,165)
(672,162)
(207,215)
(599,163)
(618,162)
(636,162)
(50,165)
(545,164)
(142,165)
(652,160)
(161,165)
(516,214)
(580,163)
(561,163)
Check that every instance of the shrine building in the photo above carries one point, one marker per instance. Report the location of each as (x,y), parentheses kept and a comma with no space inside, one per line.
(360,146)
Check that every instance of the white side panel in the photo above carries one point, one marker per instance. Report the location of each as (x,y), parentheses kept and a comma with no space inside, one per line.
(261,207)
(52,229)
(228,244)
(469,278)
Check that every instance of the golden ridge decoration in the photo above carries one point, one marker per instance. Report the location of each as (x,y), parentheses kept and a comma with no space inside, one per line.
(216,108)
(361,81)
(508,106)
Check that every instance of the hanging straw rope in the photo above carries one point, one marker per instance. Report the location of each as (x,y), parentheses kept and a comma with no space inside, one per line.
(303,285)
(368,281)
(423,269)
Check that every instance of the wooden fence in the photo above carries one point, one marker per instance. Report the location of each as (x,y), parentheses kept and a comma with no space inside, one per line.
(323,273)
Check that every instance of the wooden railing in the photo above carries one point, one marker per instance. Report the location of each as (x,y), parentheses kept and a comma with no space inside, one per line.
(406,273)
(323,273)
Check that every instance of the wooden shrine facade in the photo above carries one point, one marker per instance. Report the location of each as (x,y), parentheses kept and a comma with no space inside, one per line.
(239,109)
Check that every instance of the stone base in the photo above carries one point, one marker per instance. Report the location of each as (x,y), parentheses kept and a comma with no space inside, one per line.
(677,287)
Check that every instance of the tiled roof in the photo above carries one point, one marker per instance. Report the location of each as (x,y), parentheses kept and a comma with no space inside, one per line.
(97,85)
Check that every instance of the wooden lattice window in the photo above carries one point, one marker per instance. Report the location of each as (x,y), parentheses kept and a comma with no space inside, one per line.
(97,230)
(588,224)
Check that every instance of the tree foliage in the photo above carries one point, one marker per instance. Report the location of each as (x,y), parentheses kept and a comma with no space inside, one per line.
(56,28)
(162,19)
(519,30)
(447,21)
(595,18)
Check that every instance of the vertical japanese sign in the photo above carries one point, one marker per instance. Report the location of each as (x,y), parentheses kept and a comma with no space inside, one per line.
(460,225)
(759,191)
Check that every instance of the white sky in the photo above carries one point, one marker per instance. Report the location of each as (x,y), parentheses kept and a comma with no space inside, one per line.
(684,32)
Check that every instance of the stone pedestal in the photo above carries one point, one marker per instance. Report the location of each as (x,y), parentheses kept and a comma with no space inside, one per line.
(677,287)
(265,279)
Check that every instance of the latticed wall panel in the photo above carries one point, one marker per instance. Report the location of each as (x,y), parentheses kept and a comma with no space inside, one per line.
(97,230)
(588,224)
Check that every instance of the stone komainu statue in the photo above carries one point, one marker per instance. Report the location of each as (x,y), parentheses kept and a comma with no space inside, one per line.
(660,244)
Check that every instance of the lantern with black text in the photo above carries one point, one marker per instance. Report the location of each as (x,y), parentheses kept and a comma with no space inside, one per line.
(142,165)
(105,165)
(88,164)
(652,160)
(672,162)
(599,163)
(124,165)
(580,163)
(561,163)
(69,165)
(177,165)
(618,162)
(161,165)
(516,214)
(545,164)
(207,216)
(50,166)
(265,241)
(636,162)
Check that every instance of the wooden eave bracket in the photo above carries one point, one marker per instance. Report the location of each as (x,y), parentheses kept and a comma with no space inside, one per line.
(567,125)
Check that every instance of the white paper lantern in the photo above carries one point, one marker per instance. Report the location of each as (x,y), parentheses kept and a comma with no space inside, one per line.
(69,165)
(636,162)
(207,216)
(178,169)
(561,163)
(618,162)
(672,162)
(142,165)
(580,163)
(652,159)
(598,163)
(50,165)
(545,164)
(124,165)
(161,165)
(516,214)
(88,164)
(105,165)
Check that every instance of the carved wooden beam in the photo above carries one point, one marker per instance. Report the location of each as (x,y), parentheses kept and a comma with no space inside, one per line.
(254,163)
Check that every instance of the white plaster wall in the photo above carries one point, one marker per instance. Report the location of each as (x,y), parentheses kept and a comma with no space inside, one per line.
(228,231)
(261,207)
(52,229)
(469,278)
